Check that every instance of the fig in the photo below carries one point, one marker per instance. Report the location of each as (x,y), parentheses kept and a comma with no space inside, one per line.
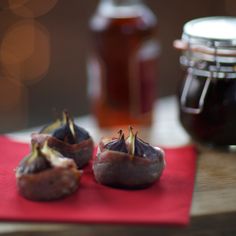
(117,144)
(128,163)
(67,138)
(46,175)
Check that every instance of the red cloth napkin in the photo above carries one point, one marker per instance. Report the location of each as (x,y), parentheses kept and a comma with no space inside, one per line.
(167,202)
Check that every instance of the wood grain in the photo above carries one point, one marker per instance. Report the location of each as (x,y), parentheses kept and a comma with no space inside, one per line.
(215,188)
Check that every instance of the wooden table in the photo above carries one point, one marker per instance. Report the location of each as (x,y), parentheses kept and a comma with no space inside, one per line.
(213,209)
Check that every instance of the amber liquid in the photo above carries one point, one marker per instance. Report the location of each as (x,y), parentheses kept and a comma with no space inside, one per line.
(124,71)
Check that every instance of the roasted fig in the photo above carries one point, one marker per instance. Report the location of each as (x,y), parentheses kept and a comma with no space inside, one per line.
(117,144)
(45,175)
(67,138)
(130,163)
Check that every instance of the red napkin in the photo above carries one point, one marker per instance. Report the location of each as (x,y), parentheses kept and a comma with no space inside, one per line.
(167,202)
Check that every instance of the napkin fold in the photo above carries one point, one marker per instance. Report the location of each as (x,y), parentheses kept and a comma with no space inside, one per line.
(167,202)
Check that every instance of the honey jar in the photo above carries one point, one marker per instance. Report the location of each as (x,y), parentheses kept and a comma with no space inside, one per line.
(123,63)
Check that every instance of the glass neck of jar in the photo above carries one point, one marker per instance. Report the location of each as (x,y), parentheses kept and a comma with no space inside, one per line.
(120,3)
(120,8)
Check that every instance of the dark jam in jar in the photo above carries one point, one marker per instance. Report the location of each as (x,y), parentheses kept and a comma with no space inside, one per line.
(123,66)
(207,98)
(216,123)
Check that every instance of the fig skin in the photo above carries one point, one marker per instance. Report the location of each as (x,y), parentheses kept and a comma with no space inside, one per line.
(45,174)
(81,153)
(122,170)
(50,184)
(66,137)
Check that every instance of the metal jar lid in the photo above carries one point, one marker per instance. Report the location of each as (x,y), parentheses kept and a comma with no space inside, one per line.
(208,48)
(209,40)
(210,37)
(218,31)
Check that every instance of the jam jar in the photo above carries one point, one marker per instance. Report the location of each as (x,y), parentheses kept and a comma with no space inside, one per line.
(207,95)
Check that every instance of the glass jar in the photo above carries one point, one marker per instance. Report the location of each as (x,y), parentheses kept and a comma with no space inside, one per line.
(207,98)
(122,67)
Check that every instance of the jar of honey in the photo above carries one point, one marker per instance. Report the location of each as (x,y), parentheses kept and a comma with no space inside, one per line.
(207,97)
(122,68)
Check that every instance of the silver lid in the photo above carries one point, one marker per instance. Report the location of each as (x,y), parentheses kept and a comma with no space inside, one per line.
(217,31)
(208,47)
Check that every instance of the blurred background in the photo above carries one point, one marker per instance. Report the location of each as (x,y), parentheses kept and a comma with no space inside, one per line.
(44,45)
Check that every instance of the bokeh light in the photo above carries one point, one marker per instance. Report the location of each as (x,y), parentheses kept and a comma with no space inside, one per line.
(11,94)
(25,51)
(5,4)
(18,43)
(13,4)
(24,57)
(31,8)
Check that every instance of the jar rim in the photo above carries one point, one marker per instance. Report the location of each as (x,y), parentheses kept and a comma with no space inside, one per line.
(215,31)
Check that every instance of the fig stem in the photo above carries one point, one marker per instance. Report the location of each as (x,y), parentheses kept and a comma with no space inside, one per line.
(68,120)
(131,140)
(120,132)
(35,151)
(72,128)
(49,128)
(65,117)
(49,153)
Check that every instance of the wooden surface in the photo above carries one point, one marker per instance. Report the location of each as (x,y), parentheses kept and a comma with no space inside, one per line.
(215,187)
(213,209)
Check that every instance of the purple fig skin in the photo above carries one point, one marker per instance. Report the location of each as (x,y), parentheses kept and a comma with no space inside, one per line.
(81,153)
(49,184)
(117,169)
